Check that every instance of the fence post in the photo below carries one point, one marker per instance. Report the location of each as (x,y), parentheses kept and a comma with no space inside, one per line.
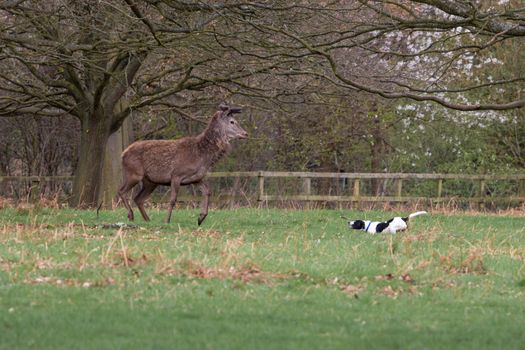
(357,194)
(307,190)
(307,186)
(399,187)
(440,193)
(481,199)
(260,194)
(440,188)
(34,192)
(357,186)
(521,188)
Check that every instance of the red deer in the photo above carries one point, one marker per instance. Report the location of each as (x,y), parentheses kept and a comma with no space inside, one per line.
(179,162)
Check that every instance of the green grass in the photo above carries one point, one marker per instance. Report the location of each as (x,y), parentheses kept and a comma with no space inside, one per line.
(259,279)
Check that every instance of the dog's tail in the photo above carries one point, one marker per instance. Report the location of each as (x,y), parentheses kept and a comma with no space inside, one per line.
(417,213)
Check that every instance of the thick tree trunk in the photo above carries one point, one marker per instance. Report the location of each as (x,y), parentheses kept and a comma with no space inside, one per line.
(112,169)
(88,176)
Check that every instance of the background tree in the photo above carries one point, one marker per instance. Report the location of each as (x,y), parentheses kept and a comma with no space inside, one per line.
(420,48)
(102,61)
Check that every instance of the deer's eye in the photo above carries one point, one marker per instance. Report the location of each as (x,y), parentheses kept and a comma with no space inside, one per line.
(232,122)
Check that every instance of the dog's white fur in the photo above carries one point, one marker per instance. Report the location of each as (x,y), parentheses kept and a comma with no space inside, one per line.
(391,226)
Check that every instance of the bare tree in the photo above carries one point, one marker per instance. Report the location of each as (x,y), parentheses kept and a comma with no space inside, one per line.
(423,50)
(37,146)
(100,61)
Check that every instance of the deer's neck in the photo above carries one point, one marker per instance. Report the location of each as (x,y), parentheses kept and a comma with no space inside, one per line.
(212,145)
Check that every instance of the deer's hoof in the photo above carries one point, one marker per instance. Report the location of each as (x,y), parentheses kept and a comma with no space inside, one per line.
(201,219)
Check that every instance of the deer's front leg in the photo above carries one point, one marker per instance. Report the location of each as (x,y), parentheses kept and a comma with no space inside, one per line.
(206,193)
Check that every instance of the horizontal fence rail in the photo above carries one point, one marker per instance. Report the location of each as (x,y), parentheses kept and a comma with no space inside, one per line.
(350,186)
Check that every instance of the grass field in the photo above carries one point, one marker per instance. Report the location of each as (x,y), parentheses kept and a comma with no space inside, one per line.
(259,279)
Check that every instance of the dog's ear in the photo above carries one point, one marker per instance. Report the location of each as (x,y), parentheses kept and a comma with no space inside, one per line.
(357,225)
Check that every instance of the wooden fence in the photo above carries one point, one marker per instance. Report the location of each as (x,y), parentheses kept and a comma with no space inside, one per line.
(354,186)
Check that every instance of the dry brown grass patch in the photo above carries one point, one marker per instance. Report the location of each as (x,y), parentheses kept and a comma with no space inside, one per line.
(124,258)
(6,265)
(69,282)
(428,236)
(441,283)
(351,289)
(472,263)
(394,292)
(405,277)
(32,231)
(207,233)
(246,273)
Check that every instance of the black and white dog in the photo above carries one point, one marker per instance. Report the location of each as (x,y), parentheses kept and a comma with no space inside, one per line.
(391,226)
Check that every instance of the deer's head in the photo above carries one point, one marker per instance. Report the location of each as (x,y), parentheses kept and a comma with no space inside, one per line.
(228,125)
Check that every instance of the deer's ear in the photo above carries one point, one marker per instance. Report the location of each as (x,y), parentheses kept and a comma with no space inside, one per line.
(223,110)
(217,115)
(226,110)
(235,110)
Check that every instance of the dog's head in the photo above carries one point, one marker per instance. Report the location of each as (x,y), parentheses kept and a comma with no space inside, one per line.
(357,224)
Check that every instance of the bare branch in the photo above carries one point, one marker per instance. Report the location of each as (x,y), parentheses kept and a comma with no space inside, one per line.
(144,19)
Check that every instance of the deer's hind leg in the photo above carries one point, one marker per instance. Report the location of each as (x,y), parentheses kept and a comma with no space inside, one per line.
(129,183)
(147,188)
(175,185)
